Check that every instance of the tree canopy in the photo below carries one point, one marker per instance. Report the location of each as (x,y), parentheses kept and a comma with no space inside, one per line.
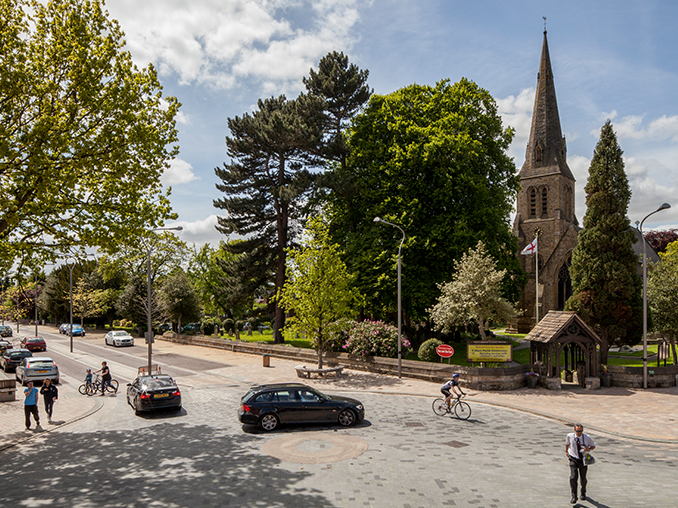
(473,295)
(434,161)
(662,295)
(318,291)
(607,291)
(84,134)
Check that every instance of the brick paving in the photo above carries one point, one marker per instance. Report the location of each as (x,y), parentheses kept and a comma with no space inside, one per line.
(202,456)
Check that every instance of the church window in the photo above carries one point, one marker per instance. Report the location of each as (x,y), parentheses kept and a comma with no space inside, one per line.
(564,284)
(537,154)
(544,202)
(533,203)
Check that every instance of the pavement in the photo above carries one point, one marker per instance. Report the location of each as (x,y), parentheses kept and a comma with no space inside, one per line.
(637,414)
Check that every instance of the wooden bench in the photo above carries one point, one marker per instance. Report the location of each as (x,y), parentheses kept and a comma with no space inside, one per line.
(303,371)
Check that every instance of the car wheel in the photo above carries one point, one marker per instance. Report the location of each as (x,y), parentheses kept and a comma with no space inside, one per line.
(269,422)
(178,408)
(346,418)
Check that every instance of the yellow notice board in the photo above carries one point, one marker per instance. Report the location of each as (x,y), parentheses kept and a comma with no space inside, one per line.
(489,351)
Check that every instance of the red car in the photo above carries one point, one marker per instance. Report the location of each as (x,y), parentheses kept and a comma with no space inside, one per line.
(34,344)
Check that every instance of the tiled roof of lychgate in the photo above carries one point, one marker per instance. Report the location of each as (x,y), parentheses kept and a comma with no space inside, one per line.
(550,327)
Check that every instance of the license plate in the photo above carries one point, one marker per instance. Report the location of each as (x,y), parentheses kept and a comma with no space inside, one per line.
(160,395)
(42,371)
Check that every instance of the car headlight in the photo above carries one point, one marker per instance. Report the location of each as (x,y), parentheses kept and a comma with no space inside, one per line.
(359,407)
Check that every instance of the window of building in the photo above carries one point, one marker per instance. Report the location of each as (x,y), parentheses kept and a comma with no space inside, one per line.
(544,202)
(533,203)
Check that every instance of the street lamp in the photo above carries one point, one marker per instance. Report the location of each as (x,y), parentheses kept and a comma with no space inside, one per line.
(400,325)
(70,262)
(663,207)
(149,333)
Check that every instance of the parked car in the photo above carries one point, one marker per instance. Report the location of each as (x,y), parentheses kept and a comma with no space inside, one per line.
(12,357)
(34,344)
(63,328)
(37,368)
(191,328)
(5,331)
(78,330)
(4,346)
(147,393)
(118,338)
(165,327)
(268,406)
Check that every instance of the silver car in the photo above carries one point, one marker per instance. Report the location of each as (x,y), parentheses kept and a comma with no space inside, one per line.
(37,368)
(120,338)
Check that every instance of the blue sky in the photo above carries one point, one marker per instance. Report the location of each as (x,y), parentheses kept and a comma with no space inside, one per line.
(611,59)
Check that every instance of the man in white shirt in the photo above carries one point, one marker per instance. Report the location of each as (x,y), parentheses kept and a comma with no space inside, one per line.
(576,445)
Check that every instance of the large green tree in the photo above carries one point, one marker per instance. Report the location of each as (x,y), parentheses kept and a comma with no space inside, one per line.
(265,187)
(473,295)
(84,134)
(178,298)
(318,291)
(607,291)
(662,295)
(434,161)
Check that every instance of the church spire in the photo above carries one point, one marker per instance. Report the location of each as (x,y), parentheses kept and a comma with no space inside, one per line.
(546,148)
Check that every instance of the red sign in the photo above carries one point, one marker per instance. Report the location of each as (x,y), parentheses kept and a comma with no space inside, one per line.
(445,351)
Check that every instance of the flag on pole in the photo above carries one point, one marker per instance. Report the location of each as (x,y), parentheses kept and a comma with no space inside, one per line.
(530,248)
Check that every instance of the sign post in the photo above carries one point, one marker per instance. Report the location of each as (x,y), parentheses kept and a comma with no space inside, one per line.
(445,351)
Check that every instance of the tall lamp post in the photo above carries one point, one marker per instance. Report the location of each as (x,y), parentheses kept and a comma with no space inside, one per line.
(149,333)
(663,207)
(70,262)
(400,324)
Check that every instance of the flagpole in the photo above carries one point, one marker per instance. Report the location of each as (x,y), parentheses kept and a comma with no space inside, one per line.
(536,264)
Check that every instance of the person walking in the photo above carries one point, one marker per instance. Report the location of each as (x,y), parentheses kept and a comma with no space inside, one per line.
(576,445)
(31,405)
(51,393)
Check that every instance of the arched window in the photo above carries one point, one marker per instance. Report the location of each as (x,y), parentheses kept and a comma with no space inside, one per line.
(537,154)
(533,203)
(564,284)
(544,202)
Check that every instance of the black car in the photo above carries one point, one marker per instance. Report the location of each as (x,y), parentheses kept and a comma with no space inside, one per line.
(5,331)
(147,393)
(12,358)
(271,405)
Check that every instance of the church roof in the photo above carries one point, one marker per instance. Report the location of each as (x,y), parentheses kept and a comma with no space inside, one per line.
(557,323)
(546,137)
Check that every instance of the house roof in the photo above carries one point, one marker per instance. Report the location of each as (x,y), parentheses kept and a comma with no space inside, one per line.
(558,323)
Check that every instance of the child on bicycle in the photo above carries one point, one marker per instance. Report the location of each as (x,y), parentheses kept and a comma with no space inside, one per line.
(452,384)
(88,378)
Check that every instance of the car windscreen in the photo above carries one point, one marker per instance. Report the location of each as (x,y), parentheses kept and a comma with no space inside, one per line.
(121,334)
(156,384)
(20,354)
(34,340)
(41,365)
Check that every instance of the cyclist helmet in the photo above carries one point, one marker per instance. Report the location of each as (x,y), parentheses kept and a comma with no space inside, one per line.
(455,375)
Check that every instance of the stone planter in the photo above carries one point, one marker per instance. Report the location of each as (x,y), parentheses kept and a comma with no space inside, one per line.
(606,380)
(532,381)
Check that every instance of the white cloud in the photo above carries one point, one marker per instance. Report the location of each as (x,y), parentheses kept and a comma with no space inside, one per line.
(517,112)
(200,232)
(632,127)
(222,42)
(179,172)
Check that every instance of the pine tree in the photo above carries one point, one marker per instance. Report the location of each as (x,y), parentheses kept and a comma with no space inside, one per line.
(606,286)
(265,187)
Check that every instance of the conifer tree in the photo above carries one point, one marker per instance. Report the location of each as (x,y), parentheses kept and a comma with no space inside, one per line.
(265,186)
(605,282)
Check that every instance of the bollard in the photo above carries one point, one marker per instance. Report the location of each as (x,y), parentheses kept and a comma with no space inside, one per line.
(267,360)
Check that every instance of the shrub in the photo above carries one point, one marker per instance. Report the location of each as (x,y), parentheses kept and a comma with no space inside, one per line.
(427,351)
(208,324)
(228,325)
(338,333)
(375,338)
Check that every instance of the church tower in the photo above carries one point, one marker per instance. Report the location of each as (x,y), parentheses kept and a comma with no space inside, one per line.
(545,205)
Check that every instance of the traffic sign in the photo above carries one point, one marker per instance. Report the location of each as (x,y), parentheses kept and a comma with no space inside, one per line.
(445,351)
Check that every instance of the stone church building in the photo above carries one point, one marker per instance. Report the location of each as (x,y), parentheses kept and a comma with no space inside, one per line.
(545,205)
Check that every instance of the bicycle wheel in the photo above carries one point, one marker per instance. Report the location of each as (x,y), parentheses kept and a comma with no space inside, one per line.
(112,386)
(93,388)
(82,389)
(439,407)
(462,410)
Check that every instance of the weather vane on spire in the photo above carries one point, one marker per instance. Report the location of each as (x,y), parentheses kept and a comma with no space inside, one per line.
(544,23)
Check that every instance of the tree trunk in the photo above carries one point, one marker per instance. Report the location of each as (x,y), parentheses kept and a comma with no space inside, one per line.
(481,326)
(604,346)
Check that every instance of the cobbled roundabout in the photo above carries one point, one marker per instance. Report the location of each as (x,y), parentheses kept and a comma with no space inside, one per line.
(202,457)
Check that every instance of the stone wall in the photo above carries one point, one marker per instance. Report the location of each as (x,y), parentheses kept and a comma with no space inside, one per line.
(632,377)
(508,378)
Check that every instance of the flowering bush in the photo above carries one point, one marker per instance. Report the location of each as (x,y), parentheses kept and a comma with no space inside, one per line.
(337,335)
(375,338)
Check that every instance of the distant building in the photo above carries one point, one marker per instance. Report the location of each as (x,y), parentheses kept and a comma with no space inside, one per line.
(545,205)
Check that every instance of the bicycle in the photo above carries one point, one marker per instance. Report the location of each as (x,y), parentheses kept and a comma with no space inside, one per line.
(86,389)
(96,386)
(461,409)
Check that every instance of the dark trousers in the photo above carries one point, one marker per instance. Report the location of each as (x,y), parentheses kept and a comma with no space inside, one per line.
(31,410)
(49,405)
(577,468)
